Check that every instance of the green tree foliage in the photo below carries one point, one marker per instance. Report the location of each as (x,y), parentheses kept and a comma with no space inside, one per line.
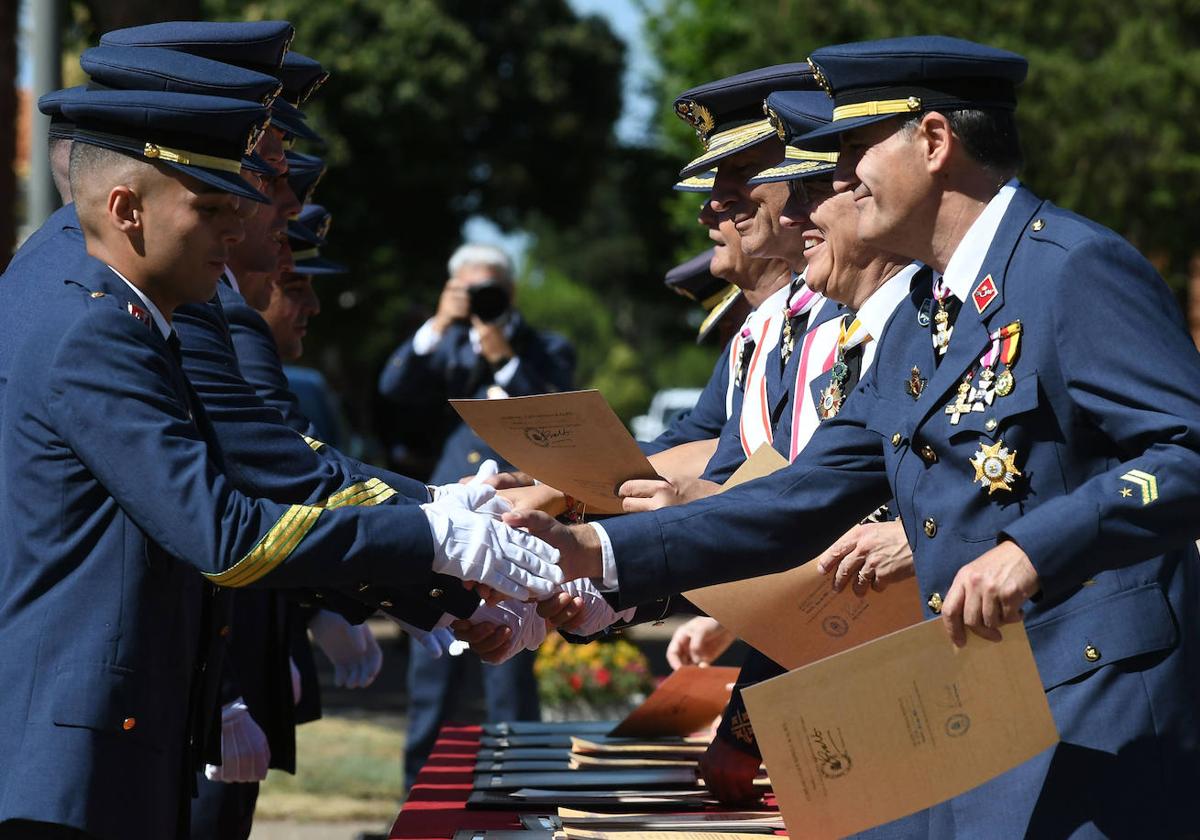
(1110,113)
(437,111)
(619,243)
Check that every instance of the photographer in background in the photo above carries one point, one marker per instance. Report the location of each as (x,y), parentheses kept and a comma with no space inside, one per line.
(476,345)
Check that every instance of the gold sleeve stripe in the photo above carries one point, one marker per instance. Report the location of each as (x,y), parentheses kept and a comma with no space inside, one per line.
(275,546)
(314,443)
(363,494)
(279,542)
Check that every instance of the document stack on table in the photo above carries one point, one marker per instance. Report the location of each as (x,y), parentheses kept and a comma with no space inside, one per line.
(649,760)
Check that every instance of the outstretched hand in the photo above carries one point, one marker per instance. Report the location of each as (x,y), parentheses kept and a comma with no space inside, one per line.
(578,546)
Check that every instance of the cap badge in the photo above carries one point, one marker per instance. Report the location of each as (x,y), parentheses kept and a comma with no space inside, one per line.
(698,116)
(776,123)
(323,227)
(255,135)
(820,77)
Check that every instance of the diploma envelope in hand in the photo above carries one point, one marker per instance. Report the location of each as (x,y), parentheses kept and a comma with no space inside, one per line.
(795,617)
(683,703)
(896,725)
(572,441)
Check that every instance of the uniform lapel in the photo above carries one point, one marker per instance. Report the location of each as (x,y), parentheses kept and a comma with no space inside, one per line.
(971,328)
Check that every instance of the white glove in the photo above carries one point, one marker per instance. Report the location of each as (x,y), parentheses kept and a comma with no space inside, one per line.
(528,628)
(597,613)
(297,684)
(474,495)
(474,546)
(245,753)
(351,648)
(435,641)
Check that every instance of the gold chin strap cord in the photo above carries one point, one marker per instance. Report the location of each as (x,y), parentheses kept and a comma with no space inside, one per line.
(165,153)
(877,107)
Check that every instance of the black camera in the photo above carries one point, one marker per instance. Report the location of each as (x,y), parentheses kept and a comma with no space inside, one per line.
(489,300)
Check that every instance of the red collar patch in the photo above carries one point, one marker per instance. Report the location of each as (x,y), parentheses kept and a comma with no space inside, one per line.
(139,313)
(984,294)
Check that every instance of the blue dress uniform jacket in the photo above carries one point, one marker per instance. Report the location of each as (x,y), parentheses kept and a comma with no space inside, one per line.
(453,370)
(707,417)
(1105,423)
(113,497)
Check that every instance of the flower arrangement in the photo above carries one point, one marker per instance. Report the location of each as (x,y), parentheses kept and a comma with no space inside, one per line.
(600,675)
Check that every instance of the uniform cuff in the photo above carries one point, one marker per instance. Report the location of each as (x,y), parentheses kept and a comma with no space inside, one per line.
(608,582)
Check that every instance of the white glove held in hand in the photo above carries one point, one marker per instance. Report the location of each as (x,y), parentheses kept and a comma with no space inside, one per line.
(474,495)
(474,546)
(244,750)
(435,641)
(597,613)
(351,648)
(528,628)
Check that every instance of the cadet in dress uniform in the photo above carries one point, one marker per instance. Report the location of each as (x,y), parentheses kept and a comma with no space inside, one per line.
(1052,477)
(112,493)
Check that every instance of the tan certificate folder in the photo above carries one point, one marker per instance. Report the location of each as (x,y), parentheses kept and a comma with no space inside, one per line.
(685,702)
(896,725)
(572,441)
(795,617)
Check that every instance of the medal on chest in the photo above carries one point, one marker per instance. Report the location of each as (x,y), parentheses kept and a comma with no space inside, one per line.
(964,400)
(942,329)
(915,384)
(995,467)
(979,394)
(834,394)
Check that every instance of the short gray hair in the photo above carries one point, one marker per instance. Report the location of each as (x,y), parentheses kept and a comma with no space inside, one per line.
(485,255)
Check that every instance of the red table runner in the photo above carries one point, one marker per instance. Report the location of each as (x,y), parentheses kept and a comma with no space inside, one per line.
(437,804)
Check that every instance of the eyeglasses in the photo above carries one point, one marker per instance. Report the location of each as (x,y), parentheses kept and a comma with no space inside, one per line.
(811,191)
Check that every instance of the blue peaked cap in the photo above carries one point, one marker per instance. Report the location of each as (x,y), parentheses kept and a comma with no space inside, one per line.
(304,172)
(257,45)
(153,68)
(301,77)
(728,114)
(793,113)
(202,136)
(871,81)
(306,236)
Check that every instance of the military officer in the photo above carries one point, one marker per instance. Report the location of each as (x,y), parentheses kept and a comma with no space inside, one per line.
(863,286)
(1057,486)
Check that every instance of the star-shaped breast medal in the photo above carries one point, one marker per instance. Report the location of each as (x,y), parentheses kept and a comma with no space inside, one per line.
(995,467)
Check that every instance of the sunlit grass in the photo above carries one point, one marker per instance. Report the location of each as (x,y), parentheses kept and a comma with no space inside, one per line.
(347,768)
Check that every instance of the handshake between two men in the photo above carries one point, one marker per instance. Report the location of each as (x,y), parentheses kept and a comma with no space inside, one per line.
(523,579)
